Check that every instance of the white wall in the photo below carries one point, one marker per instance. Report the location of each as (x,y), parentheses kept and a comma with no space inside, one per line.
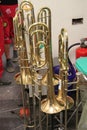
(63,11)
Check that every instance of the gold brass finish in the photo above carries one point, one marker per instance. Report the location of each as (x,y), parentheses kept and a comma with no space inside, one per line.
(40,32)
(26,5)
(22,20)
(44,16)
(16,30)
(26,79)
(27,8)
(54,78)
(49,105)
(63,72)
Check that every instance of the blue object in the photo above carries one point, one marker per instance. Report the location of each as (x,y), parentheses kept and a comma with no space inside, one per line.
(71,76)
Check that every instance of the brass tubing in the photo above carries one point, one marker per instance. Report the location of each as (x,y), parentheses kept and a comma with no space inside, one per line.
(49,105)
(63,72)
(21,24)
(37,34)
(44,16)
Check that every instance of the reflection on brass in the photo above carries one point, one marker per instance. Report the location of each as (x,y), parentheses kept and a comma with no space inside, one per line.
(26,5)
(22,20)
(50,104)
(63,72)
(38,33)
(54,79)
(26,79)
(44,16)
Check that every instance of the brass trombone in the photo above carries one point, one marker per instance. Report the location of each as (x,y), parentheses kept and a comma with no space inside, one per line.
(37,33)
(16,25)
(62,96)
(40,32)
(49,105)
(22,21)
(27,7)
(44,16)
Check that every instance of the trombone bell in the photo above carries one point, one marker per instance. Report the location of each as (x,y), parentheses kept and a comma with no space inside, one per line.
(24,80)
(66,101)
(51,106)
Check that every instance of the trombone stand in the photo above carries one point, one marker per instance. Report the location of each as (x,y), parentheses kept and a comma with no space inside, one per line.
(78,104)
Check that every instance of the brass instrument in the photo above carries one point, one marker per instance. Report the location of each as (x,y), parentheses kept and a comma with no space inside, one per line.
(40,32)
(26,5)
(62,96)
(37,36)
(23,20)
(17,26)
(15,30)
(28,8)
(44,16)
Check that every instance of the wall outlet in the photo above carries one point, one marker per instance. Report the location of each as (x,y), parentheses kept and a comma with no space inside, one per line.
(76,21)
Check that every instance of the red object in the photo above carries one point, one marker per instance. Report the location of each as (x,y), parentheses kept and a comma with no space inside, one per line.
(1,37)
(81,52)
(24,112)
(1,46)
(8,12)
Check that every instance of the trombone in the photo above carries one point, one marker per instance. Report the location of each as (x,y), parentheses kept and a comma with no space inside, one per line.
(40,32)
(22,20)
(44,16)
(63,72)
(49,105)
